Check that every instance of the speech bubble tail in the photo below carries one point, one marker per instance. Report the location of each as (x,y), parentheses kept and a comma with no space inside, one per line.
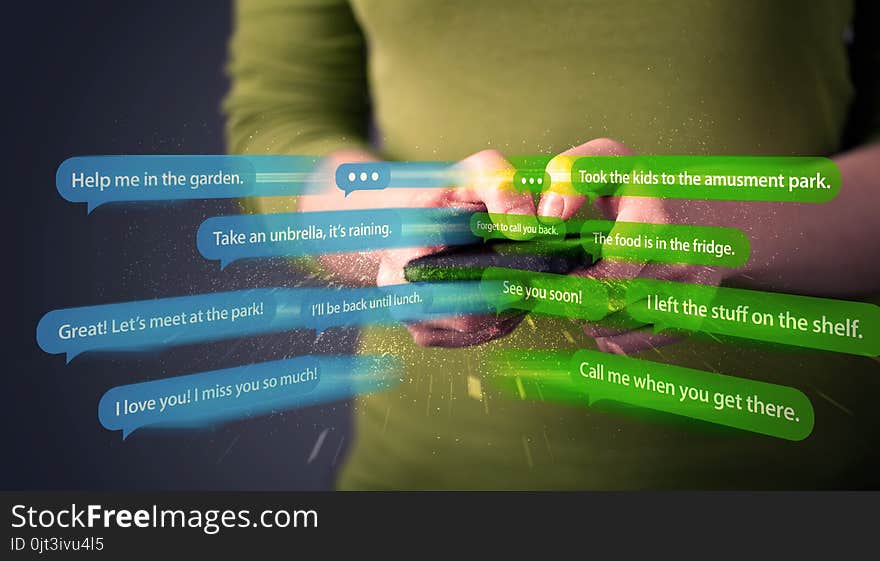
(126,432)
(70,356)
(90,206)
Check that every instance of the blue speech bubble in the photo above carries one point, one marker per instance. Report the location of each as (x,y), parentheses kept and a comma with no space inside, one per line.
(374,176)
(363,176)
(245,391)
(229,238)
(148,324)
(97,180)
(364,306)
(389,305)
(162,322)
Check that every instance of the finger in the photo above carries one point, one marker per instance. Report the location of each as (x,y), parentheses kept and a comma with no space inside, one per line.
(638,209)
(635,341)
(597,331)
(611,269)
(426,335)
(561,201)
(464,323)
(489,180)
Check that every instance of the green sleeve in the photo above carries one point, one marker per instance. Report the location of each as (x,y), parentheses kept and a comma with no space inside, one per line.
(298,73)
(298,86)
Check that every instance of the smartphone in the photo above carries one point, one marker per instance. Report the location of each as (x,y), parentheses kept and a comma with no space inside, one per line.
(467,263)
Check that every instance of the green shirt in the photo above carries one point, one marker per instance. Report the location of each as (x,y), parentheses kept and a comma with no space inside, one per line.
(444,79)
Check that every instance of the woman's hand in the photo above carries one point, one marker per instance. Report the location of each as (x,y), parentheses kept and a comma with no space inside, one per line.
(624,209)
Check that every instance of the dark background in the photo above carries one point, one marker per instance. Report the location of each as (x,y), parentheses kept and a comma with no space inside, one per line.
(110,77)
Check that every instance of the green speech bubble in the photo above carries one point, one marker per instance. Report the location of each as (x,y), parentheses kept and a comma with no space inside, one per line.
(665,243)
(516,227)
(531,180)
(590,376)
(740,178)
(544,293)
(804,321)
(529,173)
